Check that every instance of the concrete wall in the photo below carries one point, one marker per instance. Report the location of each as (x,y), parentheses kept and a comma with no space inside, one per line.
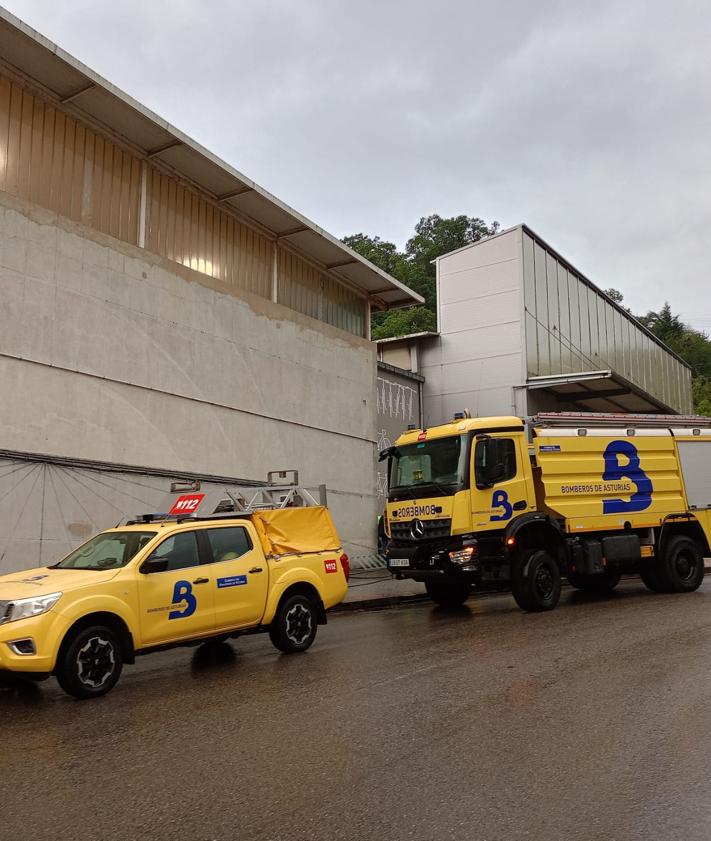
(478,357)
(110,353)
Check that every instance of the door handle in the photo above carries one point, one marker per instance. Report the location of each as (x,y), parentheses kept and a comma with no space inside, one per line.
(256,569)
(520,505)
(201,581)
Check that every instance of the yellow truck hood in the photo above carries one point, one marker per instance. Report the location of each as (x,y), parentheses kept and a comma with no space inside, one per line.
(42,581)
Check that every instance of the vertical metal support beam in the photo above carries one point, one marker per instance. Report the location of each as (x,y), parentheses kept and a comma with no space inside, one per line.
(366,316)
(323,495)
(142,206)
(275,272)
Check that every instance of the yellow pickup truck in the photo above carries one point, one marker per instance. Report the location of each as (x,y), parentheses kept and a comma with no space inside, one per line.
(167,580)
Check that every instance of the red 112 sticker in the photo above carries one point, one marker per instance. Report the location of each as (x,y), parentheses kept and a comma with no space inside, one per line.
(330,566)
(187,504)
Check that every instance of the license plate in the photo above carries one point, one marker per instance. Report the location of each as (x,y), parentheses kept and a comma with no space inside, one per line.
(399,562)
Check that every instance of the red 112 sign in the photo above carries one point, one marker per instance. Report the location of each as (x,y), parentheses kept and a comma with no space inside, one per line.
(187,504)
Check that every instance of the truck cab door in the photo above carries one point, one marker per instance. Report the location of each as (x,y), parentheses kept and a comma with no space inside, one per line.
(241,575)
(175,592)
(501,488)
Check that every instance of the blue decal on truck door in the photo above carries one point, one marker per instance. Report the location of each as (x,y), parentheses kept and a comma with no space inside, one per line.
(183,592)
(641,499)
(231,581)
(500,499)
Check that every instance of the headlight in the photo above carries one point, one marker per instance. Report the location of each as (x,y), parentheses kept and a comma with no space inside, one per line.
(11,611)
(462,556)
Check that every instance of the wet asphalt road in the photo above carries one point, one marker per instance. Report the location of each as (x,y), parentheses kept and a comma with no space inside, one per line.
(590,722)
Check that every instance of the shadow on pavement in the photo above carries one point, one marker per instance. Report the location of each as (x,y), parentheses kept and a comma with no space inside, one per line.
(212,657)
(16,692)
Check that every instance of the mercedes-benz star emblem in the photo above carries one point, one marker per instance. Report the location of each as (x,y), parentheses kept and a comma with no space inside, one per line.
(417,529)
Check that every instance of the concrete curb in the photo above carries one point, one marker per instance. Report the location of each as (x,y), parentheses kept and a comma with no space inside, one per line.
(379,603)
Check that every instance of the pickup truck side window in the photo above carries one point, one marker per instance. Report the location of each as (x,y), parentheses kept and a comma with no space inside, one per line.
(180,551)
(229,543)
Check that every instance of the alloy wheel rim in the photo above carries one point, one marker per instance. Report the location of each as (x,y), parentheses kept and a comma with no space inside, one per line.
(298,624)
(96,662)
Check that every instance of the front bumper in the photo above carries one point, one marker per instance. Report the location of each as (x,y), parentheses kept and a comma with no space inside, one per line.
(44,630)
(429,560)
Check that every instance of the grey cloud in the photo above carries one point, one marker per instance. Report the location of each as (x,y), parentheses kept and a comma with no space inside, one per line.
(591,122)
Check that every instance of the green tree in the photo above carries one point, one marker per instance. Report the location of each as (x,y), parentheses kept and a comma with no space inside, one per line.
(693,346)
(434,236)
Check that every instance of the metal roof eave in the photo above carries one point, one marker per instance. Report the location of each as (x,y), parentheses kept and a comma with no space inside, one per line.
(74,85)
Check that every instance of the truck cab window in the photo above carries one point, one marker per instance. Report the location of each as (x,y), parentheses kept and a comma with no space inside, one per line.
(179,551)
(229,543)
(494,461)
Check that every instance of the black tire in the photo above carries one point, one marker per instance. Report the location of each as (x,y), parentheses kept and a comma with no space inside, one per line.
(650,576)
(449,593)
(90,662)
(295,623)
(682,565)
(597,585)
(536,581)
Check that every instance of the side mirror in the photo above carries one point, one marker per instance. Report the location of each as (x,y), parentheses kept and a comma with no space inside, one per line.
(154,564)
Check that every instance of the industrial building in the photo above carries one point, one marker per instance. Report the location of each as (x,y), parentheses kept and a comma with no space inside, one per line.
(161,315)
(521,330)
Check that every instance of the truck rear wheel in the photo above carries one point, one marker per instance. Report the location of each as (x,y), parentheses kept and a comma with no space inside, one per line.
(650,576)
(294,626)
(536,581)
(596,584)
(90,662)
(682,565)
(448,593)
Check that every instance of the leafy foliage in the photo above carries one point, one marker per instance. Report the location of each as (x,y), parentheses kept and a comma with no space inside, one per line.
(434,236)
(693,346)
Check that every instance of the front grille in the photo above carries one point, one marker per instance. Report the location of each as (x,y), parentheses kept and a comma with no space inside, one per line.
(433,529)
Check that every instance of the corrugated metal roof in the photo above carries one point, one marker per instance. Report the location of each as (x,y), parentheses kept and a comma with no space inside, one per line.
(83,92)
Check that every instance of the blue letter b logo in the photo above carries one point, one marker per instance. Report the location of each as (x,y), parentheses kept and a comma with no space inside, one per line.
(183,592)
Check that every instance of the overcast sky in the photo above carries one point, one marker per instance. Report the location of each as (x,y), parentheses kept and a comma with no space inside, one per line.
(591,122)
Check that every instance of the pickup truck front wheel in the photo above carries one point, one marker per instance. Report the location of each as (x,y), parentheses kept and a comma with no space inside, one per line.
(90,662)
(294,626)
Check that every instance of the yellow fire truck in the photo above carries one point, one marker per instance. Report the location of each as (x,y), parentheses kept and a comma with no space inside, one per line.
(504,503)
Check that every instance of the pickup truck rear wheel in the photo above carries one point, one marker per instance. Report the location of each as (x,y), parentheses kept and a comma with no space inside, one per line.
(448,593)
(535,582)
(90,662)
(294,626)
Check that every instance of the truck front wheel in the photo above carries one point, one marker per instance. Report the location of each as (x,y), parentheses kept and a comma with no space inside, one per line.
(294,626)
(448,593)
(536,581)
(90,662)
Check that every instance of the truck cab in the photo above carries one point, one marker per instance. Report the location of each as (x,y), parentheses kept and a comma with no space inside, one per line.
(452,490)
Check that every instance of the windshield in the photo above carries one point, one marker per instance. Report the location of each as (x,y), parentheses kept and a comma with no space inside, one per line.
(440,463)
(110,550)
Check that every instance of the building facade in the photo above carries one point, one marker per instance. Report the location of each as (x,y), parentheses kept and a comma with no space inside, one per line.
(160,310)
(521,330)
